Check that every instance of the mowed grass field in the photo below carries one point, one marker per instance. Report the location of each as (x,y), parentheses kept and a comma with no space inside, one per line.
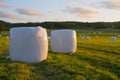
(95,59)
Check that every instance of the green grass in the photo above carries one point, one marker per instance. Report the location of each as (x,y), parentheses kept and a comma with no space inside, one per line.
(95,59)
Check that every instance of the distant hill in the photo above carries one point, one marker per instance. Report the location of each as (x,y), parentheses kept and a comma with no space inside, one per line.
(62,25)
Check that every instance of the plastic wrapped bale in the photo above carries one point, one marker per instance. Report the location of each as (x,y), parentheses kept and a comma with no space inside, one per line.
(63,41)
(96,36)
(7,37)
(28,44)
(94,33)
(99,33)
(87,37)
(82,37)
(48,37)
(118,35)
(113,38)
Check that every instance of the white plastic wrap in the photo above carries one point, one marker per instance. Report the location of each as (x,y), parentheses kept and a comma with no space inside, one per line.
(113,38)
(28,44)
(82,37)
(118,35)
(87,37)
(63,41)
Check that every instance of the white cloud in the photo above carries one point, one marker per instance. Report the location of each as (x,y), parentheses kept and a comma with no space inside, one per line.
(9,15)
(2,4)
(30,12)
(83,11)
(111,4)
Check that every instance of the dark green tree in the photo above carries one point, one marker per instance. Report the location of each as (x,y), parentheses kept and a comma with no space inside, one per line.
(2,26)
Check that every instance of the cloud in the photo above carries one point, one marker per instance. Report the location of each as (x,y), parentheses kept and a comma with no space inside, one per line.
(73,3)
(9,15)
(28,11)
(116,0)
(83,11)
(2,4)
(111,4)
(58,19)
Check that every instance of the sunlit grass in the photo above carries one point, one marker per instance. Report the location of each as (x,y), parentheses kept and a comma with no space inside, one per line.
(95,59)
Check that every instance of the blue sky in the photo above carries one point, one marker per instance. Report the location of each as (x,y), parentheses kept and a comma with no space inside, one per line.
(59,10)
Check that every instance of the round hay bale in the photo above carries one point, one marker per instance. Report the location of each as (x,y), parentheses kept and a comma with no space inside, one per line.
(118,35)
(48,37)
(7,37)
(113,38)
(28,44)
(99,33)
(94,33)
(82,37)
(96,36)
(87,37)
(63,41)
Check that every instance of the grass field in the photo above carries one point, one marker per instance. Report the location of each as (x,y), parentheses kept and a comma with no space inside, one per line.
(95,59)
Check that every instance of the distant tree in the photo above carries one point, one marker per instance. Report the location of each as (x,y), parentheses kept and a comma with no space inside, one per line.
(2,26)
(62,25)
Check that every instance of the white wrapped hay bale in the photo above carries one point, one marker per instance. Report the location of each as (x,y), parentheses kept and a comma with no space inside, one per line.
(7,37)
(82,37)
(48,37)
(94,33)
(99,33)
(87,37)
(113,38)
(28,44)
(63,41)
(96,36)
(118,35)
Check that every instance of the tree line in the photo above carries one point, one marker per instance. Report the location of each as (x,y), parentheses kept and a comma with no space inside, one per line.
(62,25)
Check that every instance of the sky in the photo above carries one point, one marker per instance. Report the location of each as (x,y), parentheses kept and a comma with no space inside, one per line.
(22,11)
